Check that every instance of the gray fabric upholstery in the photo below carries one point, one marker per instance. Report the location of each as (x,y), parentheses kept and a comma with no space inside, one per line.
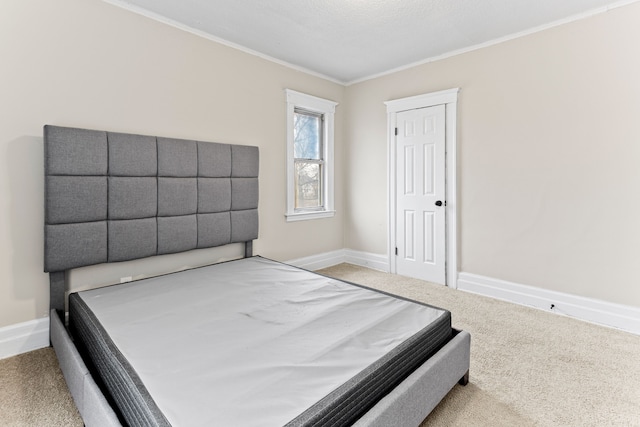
(244,161)
(132,155)
(72,199)
(244,224)
(177,196)
(214,160)
(244,193)
(214,229)
(91,403)
(413,399)
(177,234)
(131,239)
(214,195)
(113,197)
(75,151)
(132,197)
(177,158)
(75,245)
(57,287)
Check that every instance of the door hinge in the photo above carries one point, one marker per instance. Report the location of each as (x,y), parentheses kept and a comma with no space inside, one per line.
(396,131)
(396,251)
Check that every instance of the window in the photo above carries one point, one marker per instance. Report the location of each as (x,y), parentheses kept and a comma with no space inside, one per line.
(309,156)
(308,160)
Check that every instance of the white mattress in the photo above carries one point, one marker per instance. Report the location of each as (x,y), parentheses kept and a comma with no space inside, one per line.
(265,342)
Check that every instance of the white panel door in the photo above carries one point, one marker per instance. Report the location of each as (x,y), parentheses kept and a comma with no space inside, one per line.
(420,194)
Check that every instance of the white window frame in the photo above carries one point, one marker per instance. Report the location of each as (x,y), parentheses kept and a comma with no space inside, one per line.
(327,109)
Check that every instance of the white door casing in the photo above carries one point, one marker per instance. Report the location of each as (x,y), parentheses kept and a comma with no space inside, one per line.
(420,194)
(449,99)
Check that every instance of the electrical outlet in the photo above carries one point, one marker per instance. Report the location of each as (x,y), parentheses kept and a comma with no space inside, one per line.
(126,279)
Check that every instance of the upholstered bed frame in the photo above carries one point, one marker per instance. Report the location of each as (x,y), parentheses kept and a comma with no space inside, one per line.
(112,197)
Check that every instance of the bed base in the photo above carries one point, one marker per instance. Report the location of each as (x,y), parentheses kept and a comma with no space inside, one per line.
(413,399)
(91,403)
(408,404)
(84,227)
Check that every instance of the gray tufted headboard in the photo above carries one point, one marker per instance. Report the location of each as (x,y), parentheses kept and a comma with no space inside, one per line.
(113,197)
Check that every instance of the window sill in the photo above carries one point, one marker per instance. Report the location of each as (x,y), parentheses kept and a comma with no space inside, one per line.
(303,216)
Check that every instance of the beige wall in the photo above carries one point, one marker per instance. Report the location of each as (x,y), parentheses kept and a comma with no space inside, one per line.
(549,142)
(549,156)
(86,63)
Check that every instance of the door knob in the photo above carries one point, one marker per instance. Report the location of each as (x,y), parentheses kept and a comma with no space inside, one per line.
(439,203)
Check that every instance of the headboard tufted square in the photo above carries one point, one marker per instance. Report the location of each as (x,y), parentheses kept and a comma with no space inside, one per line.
(113,197)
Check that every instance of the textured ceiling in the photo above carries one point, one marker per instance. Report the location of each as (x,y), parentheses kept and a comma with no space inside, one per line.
(351,40)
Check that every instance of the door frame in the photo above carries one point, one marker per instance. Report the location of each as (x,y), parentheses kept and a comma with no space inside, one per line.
(449,98)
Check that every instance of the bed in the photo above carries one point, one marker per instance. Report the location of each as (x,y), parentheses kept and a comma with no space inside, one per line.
(250,341)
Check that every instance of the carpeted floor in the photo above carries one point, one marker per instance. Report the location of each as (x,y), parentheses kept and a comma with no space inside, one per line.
(33,392)
(528,367)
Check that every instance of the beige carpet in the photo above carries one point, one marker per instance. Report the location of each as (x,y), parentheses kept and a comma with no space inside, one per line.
(528,367)
(33,392)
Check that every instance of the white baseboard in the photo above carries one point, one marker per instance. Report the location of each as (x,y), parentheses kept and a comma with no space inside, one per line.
(366,259)
(603,313)
(316,262)
(328,259)
(23,337)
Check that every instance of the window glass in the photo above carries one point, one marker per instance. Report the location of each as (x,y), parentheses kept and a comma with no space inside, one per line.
(308,185)
(307,135)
